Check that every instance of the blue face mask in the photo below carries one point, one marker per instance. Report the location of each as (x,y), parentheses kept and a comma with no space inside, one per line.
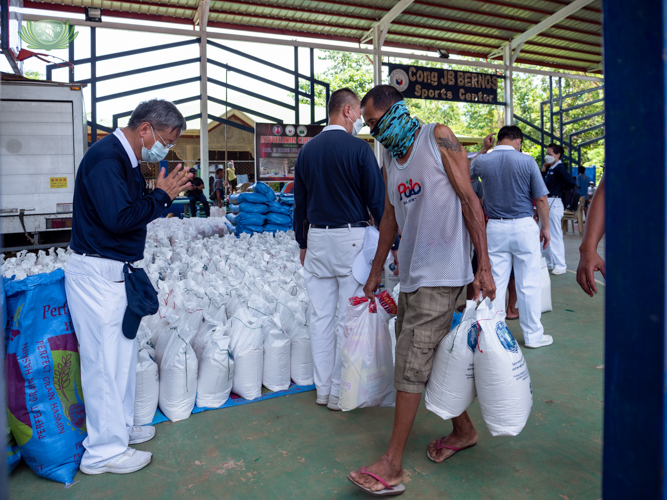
(396,130)
(155,154)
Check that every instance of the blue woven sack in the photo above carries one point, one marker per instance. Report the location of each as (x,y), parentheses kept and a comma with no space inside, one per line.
(279,219)
(44,396)
(256,208)
(279,208)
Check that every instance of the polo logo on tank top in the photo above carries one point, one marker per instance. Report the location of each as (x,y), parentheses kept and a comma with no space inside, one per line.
(408,189)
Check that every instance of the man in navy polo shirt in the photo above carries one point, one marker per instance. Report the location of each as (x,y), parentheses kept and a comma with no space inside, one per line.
(111,210)
(337,184)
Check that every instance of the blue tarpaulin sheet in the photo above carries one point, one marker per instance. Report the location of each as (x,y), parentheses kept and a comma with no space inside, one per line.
(235,400)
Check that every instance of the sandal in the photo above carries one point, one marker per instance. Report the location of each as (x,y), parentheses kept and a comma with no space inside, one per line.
(439,446)
(388,491)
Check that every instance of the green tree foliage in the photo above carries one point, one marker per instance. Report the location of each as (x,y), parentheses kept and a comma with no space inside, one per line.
(33,75)
(477,120)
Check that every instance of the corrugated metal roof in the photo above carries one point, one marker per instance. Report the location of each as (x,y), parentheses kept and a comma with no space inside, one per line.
(464,27)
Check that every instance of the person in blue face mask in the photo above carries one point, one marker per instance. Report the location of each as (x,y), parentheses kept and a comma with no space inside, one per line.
(111,210)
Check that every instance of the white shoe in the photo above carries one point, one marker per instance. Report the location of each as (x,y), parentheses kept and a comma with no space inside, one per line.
(333,403)
(130,460)
(546,340)
(559,270)
(141,434)
(322,400)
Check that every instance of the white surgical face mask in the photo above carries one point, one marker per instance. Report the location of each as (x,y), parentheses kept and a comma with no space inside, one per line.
(549,159)
(356,125)
(157,153)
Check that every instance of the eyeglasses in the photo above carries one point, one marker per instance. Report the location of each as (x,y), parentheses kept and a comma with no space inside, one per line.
(164,143)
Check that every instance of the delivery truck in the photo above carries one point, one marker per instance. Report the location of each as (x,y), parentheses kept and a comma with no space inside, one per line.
(43,137)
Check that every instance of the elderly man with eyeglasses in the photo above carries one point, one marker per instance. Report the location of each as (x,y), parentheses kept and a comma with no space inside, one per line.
(112,208)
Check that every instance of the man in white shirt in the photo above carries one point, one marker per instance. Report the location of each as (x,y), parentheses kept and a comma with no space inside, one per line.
(511,182)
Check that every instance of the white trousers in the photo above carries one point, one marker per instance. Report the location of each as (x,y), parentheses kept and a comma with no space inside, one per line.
(330,284)
(555,252)
(517,243)
(97,302)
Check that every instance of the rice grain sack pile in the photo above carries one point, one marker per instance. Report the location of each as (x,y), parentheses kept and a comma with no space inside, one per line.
(44,396)
(178,378)
(147,387)
(501,374)
(205,277)
(247,347)
(216,373)
(277,368)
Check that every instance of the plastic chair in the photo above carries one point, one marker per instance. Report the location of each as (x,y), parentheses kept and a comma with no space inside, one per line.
(568,217)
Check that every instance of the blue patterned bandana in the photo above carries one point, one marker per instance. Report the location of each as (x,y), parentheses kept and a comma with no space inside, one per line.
(396,130)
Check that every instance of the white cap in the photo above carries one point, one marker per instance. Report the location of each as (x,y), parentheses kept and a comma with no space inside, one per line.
(361,268)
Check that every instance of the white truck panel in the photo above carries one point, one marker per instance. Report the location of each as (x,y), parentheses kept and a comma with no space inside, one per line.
(42,136)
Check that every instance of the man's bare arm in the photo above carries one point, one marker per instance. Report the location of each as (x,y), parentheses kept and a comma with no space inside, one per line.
(590,261)
(455,162)
(388,232)
(542,206)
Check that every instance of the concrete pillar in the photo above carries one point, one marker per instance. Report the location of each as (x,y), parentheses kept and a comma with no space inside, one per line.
(509,94)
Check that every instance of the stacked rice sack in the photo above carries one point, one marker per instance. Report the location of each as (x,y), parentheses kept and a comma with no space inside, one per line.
(257,210)
(232,315)
(282,208)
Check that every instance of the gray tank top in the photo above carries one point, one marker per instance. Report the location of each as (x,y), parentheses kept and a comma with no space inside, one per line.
(435,244)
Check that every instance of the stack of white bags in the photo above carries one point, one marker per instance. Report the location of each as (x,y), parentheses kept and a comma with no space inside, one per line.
(232,315)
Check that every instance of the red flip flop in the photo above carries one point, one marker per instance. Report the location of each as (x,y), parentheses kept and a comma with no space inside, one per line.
(388,491)
(439,446)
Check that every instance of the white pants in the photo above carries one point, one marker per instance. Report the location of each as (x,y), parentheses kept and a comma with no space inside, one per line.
(97,302)
(330,284)
(517,242)
(555,252)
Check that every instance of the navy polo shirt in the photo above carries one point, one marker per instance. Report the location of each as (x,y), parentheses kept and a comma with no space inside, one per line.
(558,179)
(112,205)
(336,181)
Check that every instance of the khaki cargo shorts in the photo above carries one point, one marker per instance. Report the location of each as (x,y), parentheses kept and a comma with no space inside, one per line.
(424,318)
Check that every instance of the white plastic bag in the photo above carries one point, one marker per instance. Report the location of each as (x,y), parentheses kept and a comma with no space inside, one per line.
(501,374)
(216,373)
(277,346)
(451,386)
(247,346)
(147,387)
(392,337)
(178,378)
(367,376)
(546,286)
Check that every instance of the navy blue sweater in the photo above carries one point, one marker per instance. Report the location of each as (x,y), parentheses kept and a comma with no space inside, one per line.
(111,204)
(336,181)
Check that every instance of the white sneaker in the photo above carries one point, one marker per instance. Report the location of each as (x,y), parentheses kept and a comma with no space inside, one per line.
(130,460)
(333,403)
(322,400)
(559,270)
(546,340)
(141,434)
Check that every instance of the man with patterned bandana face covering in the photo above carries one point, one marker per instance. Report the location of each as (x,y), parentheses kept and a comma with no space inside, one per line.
(429,197)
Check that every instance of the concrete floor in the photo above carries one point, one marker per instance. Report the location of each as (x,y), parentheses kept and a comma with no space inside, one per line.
(291,448)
